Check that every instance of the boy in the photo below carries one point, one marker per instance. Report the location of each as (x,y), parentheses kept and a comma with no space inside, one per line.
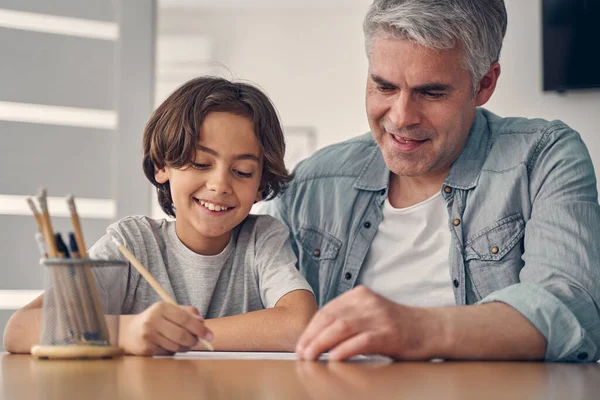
(212,149)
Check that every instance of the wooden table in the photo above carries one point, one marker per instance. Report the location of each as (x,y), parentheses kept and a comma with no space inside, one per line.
(23,377)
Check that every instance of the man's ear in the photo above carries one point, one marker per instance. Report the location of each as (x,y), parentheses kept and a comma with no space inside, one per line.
(161,175)
(487,85)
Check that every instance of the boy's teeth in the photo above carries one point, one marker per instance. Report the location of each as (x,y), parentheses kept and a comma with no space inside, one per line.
(212,207)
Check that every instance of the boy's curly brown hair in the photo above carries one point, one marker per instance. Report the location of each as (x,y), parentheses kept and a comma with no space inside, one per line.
(173,131)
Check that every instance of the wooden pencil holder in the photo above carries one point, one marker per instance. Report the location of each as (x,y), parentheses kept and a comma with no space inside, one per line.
(78,322)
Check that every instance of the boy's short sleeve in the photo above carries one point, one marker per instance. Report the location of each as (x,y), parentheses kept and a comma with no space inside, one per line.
(276,262)
(111,281)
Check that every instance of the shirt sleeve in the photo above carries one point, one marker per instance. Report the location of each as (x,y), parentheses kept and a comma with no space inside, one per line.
(559,289)
(277,209)
(111,280)
(276,263)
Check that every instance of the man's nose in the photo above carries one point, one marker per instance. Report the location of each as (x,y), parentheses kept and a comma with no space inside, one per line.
(404,112)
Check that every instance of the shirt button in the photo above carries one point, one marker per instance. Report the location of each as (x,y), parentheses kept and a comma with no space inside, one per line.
(456,222)
(582,356)
(348,276)
(495,250)
(448,189)
(317,253)
(455,283)
(367,224)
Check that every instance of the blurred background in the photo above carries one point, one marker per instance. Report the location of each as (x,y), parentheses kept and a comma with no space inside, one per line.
(78,80)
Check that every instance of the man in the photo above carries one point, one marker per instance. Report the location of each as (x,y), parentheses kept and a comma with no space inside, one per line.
(469,236)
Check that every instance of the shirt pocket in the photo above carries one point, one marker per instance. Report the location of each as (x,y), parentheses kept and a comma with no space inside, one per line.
(493,258)
(318,257)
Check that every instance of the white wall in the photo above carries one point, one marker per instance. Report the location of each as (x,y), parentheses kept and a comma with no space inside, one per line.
(311,62)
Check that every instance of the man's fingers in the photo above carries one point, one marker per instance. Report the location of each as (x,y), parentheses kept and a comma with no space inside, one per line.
(329,337)
(362,343)
(320,321)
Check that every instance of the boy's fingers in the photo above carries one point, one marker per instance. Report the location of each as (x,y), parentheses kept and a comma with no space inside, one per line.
(164,342)
(192,310)
(192,323)
(177,334)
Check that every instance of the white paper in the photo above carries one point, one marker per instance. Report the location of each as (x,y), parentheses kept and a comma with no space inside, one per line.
(242,355)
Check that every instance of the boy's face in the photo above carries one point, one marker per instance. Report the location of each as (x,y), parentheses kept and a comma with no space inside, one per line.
(215,193)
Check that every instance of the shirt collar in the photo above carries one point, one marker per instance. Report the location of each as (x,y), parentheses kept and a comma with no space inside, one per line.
(465,171)
(375,175)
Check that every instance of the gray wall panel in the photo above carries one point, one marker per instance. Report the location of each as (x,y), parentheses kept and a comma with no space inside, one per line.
(136,69)
(20,268)
(4,316)
(79,160)
(100,10)
(58,70)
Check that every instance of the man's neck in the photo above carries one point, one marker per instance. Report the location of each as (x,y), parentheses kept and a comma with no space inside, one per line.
(406,191)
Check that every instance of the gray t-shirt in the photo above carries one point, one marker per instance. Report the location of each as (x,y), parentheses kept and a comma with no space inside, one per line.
(256,268)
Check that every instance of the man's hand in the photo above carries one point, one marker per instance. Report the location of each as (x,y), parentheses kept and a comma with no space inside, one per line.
(363,322)
(163,329)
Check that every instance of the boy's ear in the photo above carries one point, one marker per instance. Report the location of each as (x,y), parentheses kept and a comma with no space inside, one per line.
(259,196)
(161,175)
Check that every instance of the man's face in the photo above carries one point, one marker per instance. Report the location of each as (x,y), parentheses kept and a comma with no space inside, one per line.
(420,106)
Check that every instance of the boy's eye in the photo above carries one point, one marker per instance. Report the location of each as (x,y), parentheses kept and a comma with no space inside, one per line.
(243,174)
(199,165)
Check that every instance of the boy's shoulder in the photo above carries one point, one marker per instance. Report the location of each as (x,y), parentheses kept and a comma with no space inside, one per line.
(134,228)
(344,158)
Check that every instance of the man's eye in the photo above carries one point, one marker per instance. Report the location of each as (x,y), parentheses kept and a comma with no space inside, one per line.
(243,174)
(434,95)
(383,88)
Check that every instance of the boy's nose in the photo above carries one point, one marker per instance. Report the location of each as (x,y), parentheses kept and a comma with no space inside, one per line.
(219,183)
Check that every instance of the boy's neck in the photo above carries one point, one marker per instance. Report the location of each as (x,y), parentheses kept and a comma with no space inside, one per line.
(206,246)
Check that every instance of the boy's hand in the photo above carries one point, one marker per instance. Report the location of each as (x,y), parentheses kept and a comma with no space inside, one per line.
(163,329)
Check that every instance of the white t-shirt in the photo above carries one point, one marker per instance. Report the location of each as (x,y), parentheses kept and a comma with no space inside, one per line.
(408,259)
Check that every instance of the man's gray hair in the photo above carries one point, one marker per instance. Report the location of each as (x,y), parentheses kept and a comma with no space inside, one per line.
(477,26)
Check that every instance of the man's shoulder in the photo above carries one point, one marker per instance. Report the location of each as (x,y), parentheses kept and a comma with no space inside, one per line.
(520,140)
(531,127)
(346,158)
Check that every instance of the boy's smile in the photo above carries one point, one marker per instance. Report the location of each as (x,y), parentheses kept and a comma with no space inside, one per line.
(215,192)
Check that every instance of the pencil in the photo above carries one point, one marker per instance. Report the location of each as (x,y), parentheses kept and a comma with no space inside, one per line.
(36,214)
(43,219)
(87,270)
(153,282)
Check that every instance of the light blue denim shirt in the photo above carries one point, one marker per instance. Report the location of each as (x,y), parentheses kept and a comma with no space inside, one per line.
(522,208)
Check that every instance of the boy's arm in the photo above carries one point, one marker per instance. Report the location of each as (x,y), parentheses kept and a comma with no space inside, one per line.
(272,329)
(24,327)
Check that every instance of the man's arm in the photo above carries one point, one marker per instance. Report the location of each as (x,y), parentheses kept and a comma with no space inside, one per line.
(363,322)
(272,329)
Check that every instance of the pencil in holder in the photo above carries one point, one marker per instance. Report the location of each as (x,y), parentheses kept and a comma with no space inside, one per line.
(78,322)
